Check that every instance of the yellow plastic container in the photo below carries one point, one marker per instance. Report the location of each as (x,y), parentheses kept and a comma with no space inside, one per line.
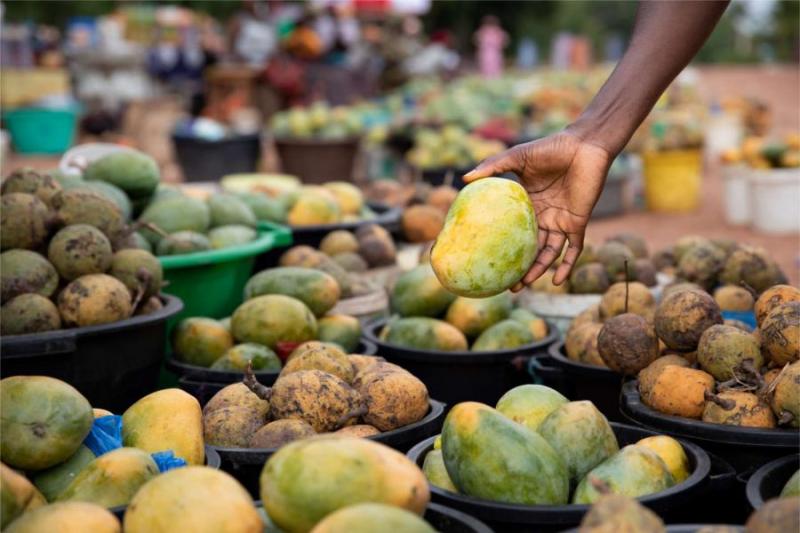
(672,180)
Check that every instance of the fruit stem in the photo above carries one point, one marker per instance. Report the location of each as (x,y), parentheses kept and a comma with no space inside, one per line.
(252,383)
(725,404)
(354,413)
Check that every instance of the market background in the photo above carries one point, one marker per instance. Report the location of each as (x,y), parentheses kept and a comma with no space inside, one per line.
(102,57)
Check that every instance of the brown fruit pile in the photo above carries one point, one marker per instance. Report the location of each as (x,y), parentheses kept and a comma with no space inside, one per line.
(320,390)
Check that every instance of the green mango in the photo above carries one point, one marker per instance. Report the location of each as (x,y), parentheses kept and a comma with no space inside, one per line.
(112,479)
(55,480)
(418,293)
(530,404)
(490,457)
(582,436)
(474,315)
(227,209)
(318,290)
(504,335)
(265,207)
(792,487)
(424,334)
(183,242)
(44,421)
(113,193)
(370,517)
(633,471)
(434,469)
(471,261)
(231,235)
(238,357)
(172,214)
(17,496)
(135,173)
(273,318)
(343,330)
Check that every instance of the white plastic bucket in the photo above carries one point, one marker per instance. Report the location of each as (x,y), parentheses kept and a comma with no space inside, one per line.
(737,194)
(776,200)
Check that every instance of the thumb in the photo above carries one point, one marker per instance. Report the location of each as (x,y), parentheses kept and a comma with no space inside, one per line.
(493,166)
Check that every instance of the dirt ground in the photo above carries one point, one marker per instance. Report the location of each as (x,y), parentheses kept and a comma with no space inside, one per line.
(779,86)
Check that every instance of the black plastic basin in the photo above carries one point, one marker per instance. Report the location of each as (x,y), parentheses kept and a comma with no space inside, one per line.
(579,381)
(670,504)
(245,464)
(768,481)
(461,376)
(113,365)
(744,448)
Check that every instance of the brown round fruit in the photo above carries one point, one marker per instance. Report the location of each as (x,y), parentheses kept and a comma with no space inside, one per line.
(627,343)
(683,316)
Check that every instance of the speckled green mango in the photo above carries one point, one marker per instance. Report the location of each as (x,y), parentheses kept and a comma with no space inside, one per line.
(53,481)
(530,404)
(183,242)
(490,457)
(474,315)
(273,318)
(43,421)
(488,241)
(136,173)
(318,290)
(536,324)
(227,209)
(434,469)
(231,235)
(504,335)
(112,479)
(201,341)
(792,487)
(344,330)
(238,357)
(633,471)
(582,436)
(418,293)
(265,207)
(176,213)
(424,334)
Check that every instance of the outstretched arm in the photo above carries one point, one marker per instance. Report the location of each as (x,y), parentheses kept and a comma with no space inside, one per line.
(565,173)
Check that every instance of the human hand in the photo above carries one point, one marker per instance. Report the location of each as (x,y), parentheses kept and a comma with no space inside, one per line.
(564,176)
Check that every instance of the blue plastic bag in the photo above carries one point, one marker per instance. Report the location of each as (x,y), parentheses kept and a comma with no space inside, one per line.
(106,435)
(748,317)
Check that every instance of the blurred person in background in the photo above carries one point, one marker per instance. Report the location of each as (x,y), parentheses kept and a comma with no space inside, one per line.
(564,173)
(252,33)
(438,57)
(490,40)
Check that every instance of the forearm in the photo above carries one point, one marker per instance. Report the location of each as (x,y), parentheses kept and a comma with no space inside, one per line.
(665,38)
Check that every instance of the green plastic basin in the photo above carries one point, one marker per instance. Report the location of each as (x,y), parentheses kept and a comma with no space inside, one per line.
(211,283)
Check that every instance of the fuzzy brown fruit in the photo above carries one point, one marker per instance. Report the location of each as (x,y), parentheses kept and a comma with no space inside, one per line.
(738,408)
(590,278)
(780,334)
(422,223)
(773,297)
(393,399)
(683,316)
(640,300)
(722,349)
(733,298)
(280,432)
(627,343)
(581,343)
(680,391)
(94,299)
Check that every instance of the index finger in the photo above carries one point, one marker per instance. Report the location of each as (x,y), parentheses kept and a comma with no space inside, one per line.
(494,166)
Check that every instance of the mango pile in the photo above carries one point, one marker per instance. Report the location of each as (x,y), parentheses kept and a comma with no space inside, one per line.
(428,317)
(285,200)
(282,308)
(70,257)
(451,147)
(319,390)
(45,458)
(758,152)
(538,448)
(319,121)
